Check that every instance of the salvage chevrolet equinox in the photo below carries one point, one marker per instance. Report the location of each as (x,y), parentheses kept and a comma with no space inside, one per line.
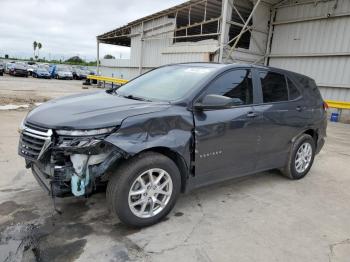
(171,130)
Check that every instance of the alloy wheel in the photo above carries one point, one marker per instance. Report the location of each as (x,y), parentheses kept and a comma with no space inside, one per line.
(150,193)
(303,157)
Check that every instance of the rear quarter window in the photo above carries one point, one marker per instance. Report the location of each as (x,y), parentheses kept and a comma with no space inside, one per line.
(309,89)
(293,90)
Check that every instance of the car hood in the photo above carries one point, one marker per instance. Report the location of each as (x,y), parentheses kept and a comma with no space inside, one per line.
(90,111)
(19,67)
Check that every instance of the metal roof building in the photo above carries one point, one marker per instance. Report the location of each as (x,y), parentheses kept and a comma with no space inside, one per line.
(311,37)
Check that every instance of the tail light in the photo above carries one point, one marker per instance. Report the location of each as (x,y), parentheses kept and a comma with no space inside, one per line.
(325,106)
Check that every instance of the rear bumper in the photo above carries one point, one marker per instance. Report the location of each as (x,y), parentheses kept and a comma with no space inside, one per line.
(19,74)
(41,76)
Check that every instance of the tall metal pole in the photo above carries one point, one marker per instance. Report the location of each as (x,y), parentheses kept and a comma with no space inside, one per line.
(223,28)
(141,49)
(269,37)
(98,57)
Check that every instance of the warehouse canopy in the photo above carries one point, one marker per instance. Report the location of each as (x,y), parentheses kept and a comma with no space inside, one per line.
(193,18)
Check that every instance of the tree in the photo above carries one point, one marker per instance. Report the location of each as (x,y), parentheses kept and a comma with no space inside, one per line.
(75,60)
(108,56)
(35,44)
(39,47)
(6,56)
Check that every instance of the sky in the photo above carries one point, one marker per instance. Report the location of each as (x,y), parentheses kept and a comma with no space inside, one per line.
(67,28)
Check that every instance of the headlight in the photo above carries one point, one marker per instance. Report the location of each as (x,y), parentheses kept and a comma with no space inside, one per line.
(21,126)
(91,132)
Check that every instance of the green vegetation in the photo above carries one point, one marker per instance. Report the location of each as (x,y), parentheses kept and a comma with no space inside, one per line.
(108,56)
(35,46)
(75,60)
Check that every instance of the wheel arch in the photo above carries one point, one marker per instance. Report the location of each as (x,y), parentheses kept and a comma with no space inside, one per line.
(178,160)
(311,132)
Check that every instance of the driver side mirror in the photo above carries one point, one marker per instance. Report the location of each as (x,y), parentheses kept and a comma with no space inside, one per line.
(217,102)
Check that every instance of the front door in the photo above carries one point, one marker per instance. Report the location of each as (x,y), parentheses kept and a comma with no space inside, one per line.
(226,139)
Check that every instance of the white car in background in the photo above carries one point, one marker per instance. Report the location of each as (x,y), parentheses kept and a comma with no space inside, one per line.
(63,73)
(31,68)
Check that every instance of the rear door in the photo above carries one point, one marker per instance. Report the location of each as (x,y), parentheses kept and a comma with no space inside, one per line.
(282,109)
(226,139)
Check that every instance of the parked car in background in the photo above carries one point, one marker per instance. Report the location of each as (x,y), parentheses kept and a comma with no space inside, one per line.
(8,66)
(174,129)
(41,72)
(31,67)
(63,72)
(19,69)
(2,68)
(80,74)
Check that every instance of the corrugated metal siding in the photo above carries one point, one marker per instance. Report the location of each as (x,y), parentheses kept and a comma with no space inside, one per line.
(121,72)
(334,93)
(330,71)
(321,38)
(158,42)
(115,62)
(310,9)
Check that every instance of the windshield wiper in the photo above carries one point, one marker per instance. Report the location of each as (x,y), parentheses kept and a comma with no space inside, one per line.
(136,98)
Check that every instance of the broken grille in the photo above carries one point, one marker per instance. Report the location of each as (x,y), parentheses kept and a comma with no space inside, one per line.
(34,141)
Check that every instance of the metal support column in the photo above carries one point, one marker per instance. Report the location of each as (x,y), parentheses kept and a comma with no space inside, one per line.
(269,37)
(223,28)
(98,57)
(141,48)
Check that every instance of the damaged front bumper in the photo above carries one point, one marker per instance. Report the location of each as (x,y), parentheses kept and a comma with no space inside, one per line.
(67,165)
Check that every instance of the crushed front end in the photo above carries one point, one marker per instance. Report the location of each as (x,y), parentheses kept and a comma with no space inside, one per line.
(68,162)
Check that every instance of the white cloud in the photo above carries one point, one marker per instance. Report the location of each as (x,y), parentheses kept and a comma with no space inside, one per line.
(68,27)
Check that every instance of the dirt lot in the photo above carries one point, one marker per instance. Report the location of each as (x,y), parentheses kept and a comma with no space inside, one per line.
(260,218)
(21,90)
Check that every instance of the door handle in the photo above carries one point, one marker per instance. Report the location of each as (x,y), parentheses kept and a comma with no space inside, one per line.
(252,114)
(299,108)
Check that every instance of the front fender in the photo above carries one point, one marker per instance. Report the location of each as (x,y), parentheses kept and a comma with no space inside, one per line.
(171,128)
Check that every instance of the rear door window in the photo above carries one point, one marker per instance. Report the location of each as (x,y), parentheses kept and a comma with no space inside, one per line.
(274,87)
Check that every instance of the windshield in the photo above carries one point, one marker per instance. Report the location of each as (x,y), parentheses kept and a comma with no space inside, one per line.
(167,83)
(20,66)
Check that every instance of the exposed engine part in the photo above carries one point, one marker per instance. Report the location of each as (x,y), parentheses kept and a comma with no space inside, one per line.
(79,184)
(81,179)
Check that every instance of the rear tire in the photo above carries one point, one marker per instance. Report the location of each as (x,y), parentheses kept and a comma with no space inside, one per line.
(301,158)
(150,179)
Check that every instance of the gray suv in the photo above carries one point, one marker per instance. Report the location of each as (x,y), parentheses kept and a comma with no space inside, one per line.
(171,130)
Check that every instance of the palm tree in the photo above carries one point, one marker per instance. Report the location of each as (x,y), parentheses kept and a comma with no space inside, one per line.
(39,47)
(35,44)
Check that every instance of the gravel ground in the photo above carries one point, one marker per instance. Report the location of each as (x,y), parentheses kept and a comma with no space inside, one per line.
(22,90)
(264,217)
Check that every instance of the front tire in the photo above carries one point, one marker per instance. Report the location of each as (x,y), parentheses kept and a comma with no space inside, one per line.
(144,190)
(300,158)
